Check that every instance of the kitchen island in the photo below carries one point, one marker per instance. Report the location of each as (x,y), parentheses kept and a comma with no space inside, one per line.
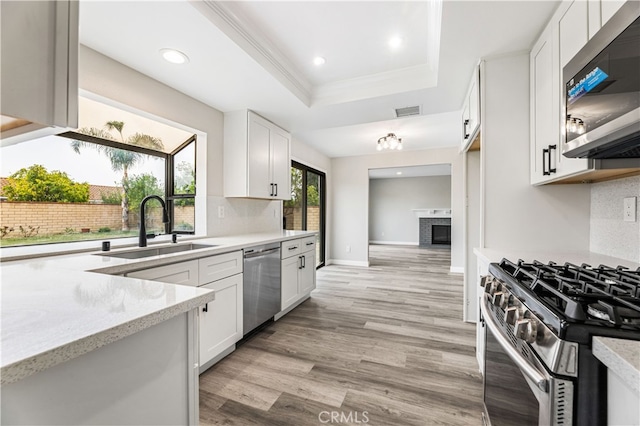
(82,344)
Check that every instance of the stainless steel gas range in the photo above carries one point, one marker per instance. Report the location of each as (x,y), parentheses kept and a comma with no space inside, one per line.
(540,320)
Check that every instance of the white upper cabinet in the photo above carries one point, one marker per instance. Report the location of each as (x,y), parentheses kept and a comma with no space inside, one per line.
(471,111)
(39,68)
(545,108)
(574,30)
(567,32)
(257,159)
(608,8)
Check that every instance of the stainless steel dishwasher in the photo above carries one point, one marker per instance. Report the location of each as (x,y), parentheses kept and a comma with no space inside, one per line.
(261,281)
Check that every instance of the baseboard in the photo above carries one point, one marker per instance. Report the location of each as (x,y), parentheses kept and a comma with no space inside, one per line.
(457,270)
(348,263)
(394,243)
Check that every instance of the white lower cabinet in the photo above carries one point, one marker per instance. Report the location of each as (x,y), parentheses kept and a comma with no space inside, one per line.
(185,273)
(221,320)
(298,271)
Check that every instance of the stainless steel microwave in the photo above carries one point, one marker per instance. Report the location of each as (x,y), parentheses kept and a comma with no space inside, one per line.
(602,91)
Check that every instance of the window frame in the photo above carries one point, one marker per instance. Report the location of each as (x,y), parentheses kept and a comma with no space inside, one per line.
(169,185)
(322,194)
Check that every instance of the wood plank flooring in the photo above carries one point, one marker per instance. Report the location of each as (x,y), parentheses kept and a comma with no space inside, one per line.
(383,345)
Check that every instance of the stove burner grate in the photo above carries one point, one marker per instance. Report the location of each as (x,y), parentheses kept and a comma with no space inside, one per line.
(581,293)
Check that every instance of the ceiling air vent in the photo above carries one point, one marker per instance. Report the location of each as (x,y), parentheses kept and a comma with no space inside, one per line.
(407,111)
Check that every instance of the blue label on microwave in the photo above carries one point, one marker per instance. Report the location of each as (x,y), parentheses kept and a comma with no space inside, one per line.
(588,83)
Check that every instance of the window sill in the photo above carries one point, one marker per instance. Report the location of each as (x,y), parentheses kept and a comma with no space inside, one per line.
(43,250)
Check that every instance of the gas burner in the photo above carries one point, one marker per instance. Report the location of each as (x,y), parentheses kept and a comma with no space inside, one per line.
(617,315)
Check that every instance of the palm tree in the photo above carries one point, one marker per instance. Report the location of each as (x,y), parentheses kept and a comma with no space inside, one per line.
(121,160)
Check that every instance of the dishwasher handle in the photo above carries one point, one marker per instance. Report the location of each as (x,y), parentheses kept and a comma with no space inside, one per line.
(253,253)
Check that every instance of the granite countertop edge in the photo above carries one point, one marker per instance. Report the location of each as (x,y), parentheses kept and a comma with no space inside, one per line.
(39,362)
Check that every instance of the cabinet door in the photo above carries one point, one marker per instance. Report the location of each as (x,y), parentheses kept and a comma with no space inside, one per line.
(185,273)
(39,76)
(259,164)
(465,125)
(608,8)
(474,105)
(220,321)
(545,118)
(307,275)
(289,283)
(280,164)
(574,31)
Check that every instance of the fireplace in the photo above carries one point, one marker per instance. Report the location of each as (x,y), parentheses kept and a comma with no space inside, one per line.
(441,235)
(435,232)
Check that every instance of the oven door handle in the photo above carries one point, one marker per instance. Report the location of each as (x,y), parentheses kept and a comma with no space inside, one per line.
(523,364)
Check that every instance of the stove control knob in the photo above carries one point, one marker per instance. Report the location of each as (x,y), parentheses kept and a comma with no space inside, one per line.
(511,315)
(485,280)
(500,299)
(526,329)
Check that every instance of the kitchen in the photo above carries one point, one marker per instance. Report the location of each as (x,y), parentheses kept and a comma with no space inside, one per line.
(560,216)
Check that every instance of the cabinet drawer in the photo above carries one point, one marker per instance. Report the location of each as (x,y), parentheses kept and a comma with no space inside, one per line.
(221,266)
(308,244)
(291,248)
(185,273)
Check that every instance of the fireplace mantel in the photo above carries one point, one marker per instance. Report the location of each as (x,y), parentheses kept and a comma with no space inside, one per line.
(432,213)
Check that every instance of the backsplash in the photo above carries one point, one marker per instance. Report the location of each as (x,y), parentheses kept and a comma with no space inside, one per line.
(242,216)
(609,234)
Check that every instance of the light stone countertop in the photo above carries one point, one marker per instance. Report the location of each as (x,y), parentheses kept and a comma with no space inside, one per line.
(621,357)
(56,308)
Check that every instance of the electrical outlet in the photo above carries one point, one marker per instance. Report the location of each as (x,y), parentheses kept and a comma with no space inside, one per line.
(348,249)
(629,209)
(220,212)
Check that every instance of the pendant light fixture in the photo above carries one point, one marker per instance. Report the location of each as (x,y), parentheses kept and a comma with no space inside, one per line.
(391,141)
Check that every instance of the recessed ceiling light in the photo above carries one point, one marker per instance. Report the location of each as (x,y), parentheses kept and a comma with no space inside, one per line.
(319,60)
(398,173)
(174,56)
(395,42)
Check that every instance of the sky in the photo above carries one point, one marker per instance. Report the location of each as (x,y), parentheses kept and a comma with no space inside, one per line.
(55,153)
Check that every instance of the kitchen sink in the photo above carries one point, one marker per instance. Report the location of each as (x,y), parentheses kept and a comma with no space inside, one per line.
(156,251)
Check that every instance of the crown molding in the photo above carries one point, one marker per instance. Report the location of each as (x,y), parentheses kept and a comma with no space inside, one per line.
(256,45)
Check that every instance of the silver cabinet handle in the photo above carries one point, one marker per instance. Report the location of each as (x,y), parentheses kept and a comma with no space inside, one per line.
(523,364)
(293,248)
(309,244)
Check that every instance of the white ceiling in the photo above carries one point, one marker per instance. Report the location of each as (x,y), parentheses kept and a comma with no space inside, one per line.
(410,171)
(257,55)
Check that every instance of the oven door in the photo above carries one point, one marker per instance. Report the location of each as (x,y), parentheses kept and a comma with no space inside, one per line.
(517,388)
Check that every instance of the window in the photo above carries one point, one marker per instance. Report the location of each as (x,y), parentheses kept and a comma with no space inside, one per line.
(306,209)
(88,184)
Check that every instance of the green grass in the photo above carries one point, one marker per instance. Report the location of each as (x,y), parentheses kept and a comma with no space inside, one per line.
(64,238)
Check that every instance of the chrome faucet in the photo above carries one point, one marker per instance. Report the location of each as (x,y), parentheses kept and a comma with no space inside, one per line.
(142,238)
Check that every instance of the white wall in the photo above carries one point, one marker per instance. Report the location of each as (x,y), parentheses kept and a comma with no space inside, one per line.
(610,235)
(110,79)
(349,194)
(517,215)
(391,219)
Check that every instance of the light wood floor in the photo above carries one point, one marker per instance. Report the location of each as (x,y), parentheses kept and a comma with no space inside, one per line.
(383,345)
